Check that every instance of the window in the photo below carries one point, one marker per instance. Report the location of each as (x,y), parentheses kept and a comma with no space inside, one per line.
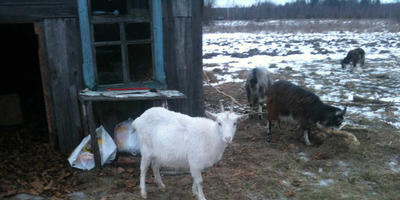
(122,43)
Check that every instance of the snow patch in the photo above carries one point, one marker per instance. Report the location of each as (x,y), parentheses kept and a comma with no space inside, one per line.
(394,165)
(313,60)
(325,182)
(304,157)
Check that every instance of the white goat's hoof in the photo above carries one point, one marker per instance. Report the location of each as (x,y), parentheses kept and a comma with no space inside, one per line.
(162,188)
(143,194)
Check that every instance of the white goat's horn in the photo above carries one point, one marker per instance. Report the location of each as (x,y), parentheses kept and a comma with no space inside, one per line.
(231,110)
(221,106)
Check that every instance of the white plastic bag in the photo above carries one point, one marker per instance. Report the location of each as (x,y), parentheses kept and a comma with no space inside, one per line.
(126,139)
(82,156)
(108,148)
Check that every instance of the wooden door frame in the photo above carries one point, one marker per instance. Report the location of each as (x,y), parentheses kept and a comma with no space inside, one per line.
(45,85)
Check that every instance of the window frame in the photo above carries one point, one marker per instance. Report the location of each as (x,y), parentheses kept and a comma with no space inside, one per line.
(87,22)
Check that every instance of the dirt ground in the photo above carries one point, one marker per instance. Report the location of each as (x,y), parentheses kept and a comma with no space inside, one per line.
(251,168)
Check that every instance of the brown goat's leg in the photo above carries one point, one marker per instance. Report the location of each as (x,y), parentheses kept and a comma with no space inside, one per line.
(251,115)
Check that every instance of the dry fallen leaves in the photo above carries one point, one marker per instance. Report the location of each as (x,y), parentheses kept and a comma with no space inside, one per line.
(130,170)
(33,168)
(320,156)
(289,193)
(120,170)
(129,185)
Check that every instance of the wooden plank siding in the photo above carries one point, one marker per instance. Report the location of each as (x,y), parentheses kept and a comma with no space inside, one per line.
(183,54)
(45,85)
(61,63)
(64,75)
(32,10)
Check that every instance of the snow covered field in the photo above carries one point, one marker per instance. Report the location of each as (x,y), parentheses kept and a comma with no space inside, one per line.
(312,59)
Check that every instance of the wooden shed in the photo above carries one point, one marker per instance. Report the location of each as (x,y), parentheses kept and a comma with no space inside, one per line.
(55,49)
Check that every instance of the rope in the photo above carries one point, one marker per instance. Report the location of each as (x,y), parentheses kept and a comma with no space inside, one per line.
(223,93)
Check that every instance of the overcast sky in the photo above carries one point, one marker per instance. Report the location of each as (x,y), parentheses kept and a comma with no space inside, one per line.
(231,3)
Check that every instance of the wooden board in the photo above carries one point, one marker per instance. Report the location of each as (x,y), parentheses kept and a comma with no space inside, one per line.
(89,95)
(64,79)
(33,10)
(182,8)
(183,55)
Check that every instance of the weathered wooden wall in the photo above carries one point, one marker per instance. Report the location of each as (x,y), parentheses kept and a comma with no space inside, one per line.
(63,70)
(61,58)
(183,53)
(33,10)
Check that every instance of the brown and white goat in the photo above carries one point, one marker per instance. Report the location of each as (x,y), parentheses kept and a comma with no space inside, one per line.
(286,100)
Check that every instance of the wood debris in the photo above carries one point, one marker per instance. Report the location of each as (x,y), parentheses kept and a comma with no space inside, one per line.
(348,138)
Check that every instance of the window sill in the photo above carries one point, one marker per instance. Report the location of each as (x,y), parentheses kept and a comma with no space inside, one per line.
(128,95)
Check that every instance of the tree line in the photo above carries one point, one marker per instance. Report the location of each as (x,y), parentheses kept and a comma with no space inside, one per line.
(305,9)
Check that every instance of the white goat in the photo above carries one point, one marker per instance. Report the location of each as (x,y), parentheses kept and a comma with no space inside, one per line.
(176,140)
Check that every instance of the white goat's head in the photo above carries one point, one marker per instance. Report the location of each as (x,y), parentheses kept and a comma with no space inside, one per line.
(226,122)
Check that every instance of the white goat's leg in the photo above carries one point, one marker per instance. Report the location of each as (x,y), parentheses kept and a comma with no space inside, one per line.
(306,139)
(144,165)
(156,172)
(260,107)
(197,180)
(194,188)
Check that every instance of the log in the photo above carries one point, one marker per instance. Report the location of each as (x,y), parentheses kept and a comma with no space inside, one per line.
(365,100)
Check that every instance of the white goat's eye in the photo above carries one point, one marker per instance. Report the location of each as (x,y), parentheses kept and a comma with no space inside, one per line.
(219,124)
(234,123)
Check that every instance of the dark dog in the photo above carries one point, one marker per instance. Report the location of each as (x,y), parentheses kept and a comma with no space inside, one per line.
(354,56)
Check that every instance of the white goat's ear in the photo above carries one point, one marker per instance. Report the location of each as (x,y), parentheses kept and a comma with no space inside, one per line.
(211,115)
(243,117)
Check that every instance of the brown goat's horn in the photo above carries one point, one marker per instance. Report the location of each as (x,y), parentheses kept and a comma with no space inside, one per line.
(231,110)
(221,106)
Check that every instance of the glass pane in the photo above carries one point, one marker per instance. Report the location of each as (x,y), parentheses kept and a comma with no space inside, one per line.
(109,7)
(138,8)
(109,64)
(137,31)
(140,62)
(106,32)
(135,8)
